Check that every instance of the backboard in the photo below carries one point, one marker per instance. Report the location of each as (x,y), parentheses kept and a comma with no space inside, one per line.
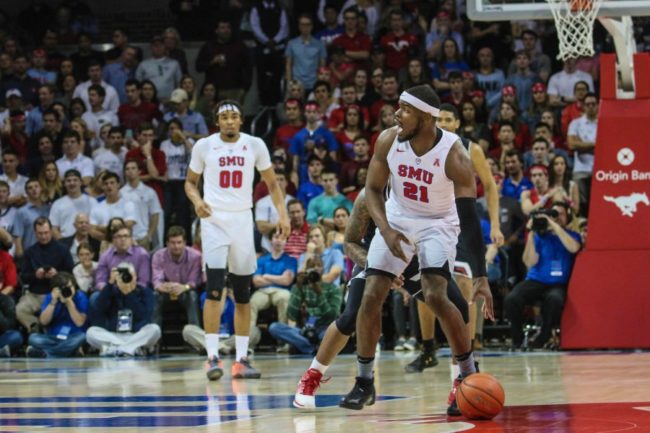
(498,10)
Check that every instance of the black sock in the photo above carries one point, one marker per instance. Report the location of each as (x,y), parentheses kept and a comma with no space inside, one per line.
(428,346)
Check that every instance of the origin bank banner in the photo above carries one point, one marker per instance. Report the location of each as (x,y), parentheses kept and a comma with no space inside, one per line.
(619,212)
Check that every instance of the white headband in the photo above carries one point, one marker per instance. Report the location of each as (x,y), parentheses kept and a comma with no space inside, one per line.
(419,104)
(228,107)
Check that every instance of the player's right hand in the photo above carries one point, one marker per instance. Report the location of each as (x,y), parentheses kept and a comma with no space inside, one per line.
(393,239)
(203,210)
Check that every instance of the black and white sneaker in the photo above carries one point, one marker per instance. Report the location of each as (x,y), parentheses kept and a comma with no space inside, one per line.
(362,394)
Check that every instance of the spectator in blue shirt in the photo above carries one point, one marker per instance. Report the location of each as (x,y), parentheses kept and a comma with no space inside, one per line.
(331,28)
(332,258)
(515,181)
(549,255)
(304,54)
(272,281)
(311,187)
(118,73)
(63,314)
(193,122)
(312,138)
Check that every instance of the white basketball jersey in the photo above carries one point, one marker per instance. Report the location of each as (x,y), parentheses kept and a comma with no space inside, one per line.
(419,186)
(229,170)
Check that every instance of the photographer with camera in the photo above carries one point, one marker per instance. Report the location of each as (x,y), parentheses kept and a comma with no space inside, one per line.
(313,304)
(10,339)
(42,261)
(549,253)
(63,315)
(126,308)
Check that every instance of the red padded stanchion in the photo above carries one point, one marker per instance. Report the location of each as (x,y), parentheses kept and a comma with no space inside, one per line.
(608,302)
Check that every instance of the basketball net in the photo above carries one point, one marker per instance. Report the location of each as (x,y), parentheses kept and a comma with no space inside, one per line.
(574,22)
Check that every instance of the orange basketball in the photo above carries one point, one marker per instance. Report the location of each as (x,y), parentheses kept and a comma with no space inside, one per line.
(480,396)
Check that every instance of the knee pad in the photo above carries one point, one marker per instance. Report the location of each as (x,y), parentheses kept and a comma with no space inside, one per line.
(216,281)
(241,287)
(347,321)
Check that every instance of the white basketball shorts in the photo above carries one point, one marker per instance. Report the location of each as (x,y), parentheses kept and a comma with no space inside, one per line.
(227,241)
(435,246)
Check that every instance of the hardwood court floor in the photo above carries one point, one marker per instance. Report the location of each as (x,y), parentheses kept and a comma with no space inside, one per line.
(545,392)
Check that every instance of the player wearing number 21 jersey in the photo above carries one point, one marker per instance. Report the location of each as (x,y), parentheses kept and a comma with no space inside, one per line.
(227,160)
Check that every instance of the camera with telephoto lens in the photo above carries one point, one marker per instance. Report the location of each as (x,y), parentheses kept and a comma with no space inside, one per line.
(540,224)
(313,276)
(125,274)
(66,291)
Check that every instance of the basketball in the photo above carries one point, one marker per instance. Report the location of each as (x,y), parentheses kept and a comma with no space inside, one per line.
(480,396)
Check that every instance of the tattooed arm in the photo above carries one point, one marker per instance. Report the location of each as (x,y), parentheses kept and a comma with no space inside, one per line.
(356,230)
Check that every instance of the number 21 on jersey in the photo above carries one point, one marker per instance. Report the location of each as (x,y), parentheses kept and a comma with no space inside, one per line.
(413,192)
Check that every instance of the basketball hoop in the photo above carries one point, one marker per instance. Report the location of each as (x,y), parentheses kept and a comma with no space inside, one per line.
(574,22)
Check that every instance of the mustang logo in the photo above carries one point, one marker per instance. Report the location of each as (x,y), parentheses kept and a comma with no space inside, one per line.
(627,203)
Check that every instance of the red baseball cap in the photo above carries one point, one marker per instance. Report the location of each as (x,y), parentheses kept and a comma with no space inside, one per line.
(508,90)
(442,15)
(478,93)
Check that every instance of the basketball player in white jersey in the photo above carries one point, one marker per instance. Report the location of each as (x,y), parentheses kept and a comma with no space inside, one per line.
(227,160)
(449,120)
(432,197)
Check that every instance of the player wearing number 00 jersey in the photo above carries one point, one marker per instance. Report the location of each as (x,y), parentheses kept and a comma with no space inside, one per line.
(227,160)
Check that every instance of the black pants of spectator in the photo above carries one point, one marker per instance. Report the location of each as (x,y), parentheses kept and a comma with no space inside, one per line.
(584,186)
(399,316)
(270,68)
(528,292)
(178,209)
(189,301)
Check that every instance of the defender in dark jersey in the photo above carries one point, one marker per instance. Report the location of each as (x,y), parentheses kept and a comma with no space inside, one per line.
(358,235)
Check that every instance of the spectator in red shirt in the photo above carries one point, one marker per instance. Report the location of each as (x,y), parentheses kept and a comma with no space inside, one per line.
(13,134)
(353,128)
(151,161)
(574,109)
(136,111)
(350,168)
(8,278)
(294,123)
(508,113)
(356,45)
(279,160)
(297,240)
(341,66)
(348,97)
(398,45)
(389,95)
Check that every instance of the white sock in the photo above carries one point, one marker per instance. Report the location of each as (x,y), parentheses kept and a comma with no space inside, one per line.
(241,346)
(212,345)
(318,366)
(455,371)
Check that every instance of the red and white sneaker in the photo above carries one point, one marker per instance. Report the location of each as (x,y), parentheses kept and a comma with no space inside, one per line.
(305,394)
(453,410)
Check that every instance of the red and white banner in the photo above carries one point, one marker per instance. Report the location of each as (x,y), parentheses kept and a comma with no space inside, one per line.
(608,301)
(619,210)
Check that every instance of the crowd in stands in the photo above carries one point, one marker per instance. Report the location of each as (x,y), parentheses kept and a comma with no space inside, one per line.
(98,236)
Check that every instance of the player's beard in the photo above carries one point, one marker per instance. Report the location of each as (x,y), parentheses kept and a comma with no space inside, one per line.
(410,136)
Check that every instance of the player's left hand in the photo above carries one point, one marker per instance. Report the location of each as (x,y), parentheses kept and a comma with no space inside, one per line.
(284,226)
(496,236)
(482,288)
